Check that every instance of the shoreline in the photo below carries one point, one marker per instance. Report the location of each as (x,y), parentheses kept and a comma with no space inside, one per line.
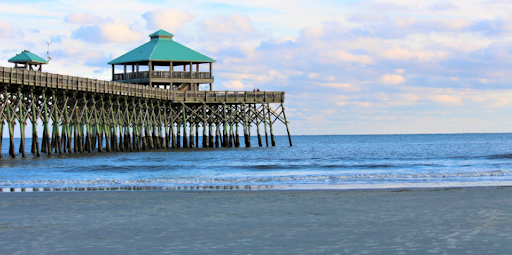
(385,221)
(277,187)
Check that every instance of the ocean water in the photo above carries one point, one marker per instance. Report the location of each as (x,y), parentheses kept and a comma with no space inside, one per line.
(313,160)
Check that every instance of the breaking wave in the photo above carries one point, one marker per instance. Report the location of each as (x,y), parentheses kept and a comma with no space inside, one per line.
(274,180)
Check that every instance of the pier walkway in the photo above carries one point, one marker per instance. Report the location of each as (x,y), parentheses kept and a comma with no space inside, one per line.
(14,78)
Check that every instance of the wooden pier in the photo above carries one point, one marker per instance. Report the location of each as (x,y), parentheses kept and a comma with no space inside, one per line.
(137,110)
(85,115)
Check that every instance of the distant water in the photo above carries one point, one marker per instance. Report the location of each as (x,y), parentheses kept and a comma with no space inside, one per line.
(325,160)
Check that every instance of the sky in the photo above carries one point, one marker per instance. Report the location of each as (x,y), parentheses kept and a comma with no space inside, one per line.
(347,67)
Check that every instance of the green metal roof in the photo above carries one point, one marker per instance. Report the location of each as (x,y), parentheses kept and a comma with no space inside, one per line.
(161,47)
(27,57)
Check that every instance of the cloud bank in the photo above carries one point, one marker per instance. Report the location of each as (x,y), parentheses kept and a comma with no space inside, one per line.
(347,67)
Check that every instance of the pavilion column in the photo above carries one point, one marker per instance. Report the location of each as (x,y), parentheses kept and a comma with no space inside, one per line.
(113,71)
(150,73)
(196,87)
(191,84)
(171,69)
(124,77)
(137,70)
(211,85)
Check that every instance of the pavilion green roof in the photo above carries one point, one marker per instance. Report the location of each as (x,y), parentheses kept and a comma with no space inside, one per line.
(161,47)
(27,57)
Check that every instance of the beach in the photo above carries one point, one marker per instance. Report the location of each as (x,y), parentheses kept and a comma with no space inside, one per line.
(470,220)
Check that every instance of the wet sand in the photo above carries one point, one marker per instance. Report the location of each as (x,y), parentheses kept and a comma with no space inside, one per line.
(387,221)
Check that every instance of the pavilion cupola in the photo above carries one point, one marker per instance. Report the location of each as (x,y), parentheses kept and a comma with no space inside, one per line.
(163,62)
(161,34)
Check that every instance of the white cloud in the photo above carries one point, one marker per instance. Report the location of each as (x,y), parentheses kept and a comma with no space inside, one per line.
(235,26)
(83,18)
(338,85)
(77,53)
(313,32)
(313,75)
(444,6)
(110,32)
(6,29)
(500,102)
(397,53)
(447,99)
(393,79)
(234,84)
(270,75)
(484,81)
(400,71)
(349,57)
(168,19)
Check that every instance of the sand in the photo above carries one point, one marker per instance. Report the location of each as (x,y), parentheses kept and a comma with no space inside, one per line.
(397,221)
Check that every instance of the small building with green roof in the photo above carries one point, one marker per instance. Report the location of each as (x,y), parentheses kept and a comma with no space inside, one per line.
(29,61)
(162,62)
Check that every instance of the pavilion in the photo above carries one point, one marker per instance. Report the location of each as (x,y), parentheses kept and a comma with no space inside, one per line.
(164,63)
(28,61)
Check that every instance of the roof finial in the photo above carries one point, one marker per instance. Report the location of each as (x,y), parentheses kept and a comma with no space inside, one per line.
(161,34)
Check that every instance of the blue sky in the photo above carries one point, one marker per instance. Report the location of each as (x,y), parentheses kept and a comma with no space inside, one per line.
(348,67)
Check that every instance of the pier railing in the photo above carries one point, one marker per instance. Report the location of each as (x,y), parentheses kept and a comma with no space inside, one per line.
(25,78)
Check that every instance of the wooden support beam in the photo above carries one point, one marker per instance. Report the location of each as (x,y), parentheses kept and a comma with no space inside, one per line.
(185,138)
(88,128)
(225,125)
(270,125)
(286,123)
(191,140)
(211,143)
(22,122)
(197,134)
(56,120)
(217,135)
(205,134)
(247,127)
(10,123)
(265,123)
(237,136)
(258,121)
(173,138)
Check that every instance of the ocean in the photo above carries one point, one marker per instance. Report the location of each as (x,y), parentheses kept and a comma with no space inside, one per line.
(312,161)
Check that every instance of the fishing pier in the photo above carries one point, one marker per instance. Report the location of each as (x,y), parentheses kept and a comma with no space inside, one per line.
(158,105)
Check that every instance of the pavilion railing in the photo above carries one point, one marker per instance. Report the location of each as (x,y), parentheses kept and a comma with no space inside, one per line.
(162,74)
